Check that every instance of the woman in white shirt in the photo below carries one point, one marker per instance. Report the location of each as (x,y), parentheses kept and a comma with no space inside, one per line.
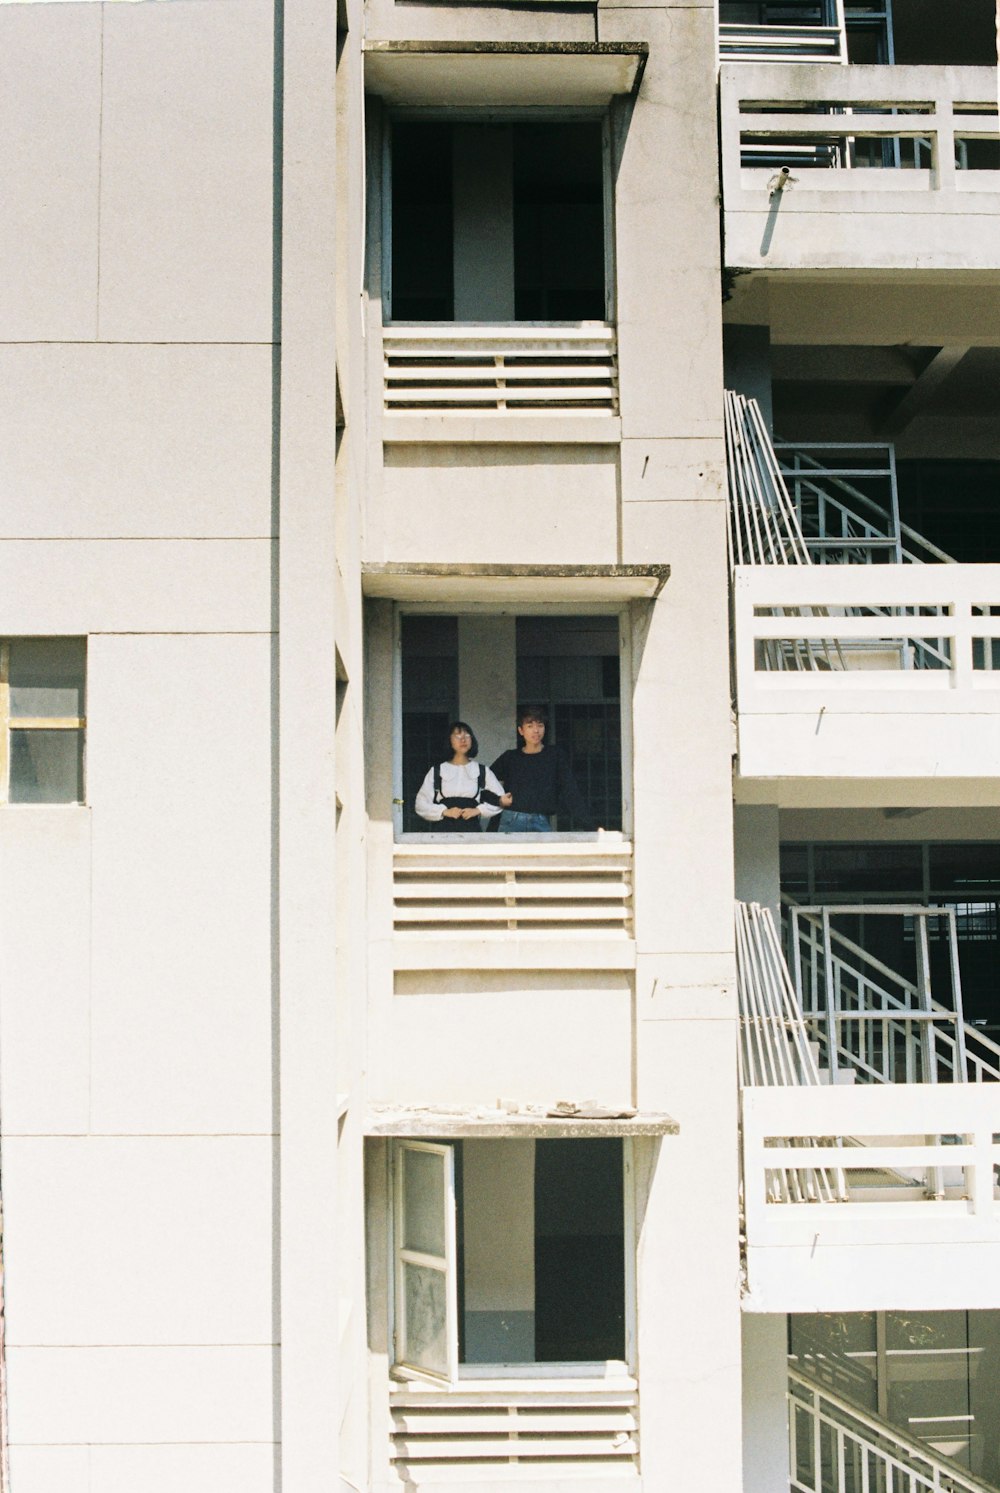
(458,794)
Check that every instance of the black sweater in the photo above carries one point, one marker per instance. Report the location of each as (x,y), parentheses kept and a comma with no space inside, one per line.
(542,783)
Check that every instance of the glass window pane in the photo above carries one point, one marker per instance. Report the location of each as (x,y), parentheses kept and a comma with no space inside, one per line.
(46,767)
(423,1202)
(47,676)
(425,1318)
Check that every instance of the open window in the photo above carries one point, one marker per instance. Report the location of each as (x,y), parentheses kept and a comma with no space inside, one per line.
(479,667)
(497,220)
(510,1254)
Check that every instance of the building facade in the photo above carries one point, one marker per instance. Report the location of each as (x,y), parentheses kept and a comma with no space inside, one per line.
(366,370)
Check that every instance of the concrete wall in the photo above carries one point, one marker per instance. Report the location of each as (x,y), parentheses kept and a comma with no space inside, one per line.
(135,931)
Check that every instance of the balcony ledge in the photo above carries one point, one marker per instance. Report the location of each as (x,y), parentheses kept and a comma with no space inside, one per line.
(503,73)
(431,581)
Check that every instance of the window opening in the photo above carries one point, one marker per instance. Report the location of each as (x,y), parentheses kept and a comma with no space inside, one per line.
(480,668)
(42,720)
(497,221)
(525,1237)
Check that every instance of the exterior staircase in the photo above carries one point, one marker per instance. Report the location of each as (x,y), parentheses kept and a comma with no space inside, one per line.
(835,1447)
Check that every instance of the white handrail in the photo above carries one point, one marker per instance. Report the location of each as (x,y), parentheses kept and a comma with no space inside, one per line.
(834,1447)
(764,527)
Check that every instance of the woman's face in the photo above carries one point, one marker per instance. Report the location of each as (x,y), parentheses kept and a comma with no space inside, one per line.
(461,740)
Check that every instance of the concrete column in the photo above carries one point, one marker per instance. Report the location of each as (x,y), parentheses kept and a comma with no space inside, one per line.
(765,1411)
(747,356)
(483,206)
(756,842)
(487,680)
(672,509)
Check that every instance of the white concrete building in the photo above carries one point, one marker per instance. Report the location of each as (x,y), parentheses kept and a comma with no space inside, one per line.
(364,371)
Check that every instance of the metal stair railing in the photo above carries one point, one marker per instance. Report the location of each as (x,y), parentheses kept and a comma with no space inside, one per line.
(885,527)
(774,1045)
(833,1447)
(766,528)
(884,1027)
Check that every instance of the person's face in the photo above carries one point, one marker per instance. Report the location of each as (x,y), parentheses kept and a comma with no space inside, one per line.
(532,733)
(461,740)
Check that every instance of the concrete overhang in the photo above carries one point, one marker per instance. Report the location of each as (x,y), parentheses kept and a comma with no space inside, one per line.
(418,1122)
(503,74)
(499,584)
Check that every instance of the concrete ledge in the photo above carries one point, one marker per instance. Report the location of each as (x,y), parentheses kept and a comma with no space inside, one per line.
(504,429)
(507,951)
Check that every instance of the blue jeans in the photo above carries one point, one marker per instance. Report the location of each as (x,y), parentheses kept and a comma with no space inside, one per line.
(513,822)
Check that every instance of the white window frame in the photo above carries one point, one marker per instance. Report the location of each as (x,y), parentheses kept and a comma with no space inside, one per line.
(10,722)
(446,1264)
(603,1369)
(617,610)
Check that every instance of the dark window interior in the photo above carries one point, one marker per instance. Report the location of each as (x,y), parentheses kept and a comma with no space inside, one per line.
(954,504)
(579,1251)
(776,12)
(549,217)
(422,287)
(558,222)
(933,32)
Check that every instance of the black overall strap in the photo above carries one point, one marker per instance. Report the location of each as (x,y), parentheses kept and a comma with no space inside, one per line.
(439,796)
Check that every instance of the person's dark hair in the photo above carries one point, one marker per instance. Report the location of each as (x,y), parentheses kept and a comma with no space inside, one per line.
(531,713)
(463,726)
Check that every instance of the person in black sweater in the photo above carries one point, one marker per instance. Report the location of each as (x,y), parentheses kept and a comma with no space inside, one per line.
(537,780)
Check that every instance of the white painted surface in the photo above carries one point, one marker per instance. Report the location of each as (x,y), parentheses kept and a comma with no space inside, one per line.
(186,206)
(144,586)
(50,84)
(78,463)
(170,1240)
(179,765)
(534,1045)
(488,504)
(135,1395)
(45,944)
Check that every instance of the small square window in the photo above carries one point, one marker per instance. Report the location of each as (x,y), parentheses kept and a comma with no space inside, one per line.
(42,720)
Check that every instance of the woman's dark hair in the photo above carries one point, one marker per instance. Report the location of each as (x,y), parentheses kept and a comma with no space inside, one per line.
(463,726)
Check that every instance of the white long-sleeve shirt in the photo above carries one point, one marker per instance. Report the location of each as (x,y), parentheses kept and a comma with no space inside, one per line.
(457,781)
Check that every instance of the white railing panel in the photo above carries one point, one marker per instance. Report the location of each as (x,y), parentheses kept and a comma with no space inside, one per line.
(936,1146)
(496,370)
(860,671)
(868,144)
